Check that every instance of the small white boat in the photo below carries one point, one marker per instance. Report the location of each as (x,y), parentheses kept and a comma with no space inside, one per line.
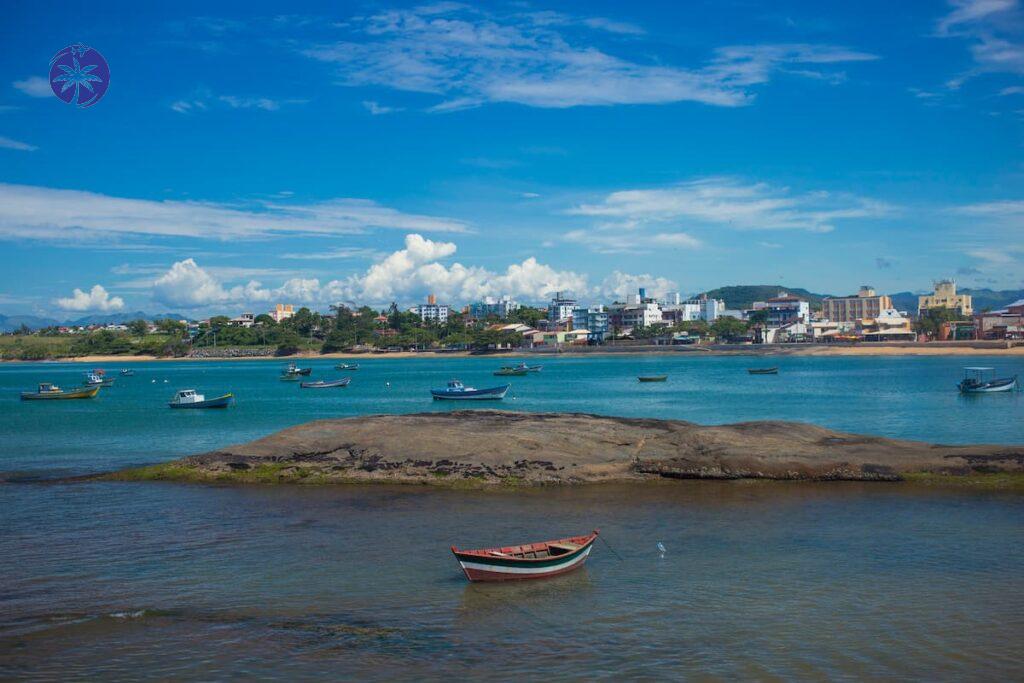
(347,366)
(97,378)
(188,398)
(982,381)
(457,391)
(321,384)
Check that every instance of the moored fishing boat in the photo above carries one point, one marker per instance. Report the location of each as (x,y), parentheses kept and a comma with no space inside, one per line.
(188,398)
(510,372)
(529,368)
(125,372)
(347,366)
(321,384)
(527,561)
(48,391)
(294,371)
(653,378)
(763,371)
(975,382)
(98,378)
(457,391)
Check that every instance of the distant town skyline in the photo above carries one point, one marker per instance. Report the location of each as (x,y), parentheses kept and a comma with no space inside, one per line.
(368,153)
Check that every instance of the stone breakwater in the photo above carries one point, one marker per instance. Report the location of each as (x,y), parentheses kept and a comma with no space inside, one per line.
(232,352)
(487,447)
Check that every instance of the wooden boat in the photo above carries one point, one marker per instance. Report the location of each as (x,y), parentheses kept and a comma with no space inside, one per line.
(98,378)
(49,392)
(527,561)
(763,371)
(457,391)
(293,370)
(188,398)
(975,382)
(347,366)
(125,372)
(321,384)
(653,378)
(508,372)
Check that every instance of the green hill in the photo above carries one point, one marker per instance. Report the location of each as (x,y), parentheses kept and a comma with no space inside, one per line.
(744,296)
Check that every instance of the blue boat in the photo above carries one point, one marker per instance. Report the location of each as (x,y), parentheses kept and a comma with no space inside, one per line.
(457,391)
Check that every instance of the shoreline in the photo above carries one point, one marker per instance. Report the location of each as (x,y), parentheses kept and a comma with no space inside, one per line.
(966,349)
(501,449)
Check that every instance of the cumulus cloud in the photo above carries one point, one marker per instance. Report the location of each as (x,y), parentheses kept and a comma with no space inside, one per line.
(731,203)
(188,285)
(32,212)
(405,275)
(619,285)
(469,57)
(96,299)
(34,86)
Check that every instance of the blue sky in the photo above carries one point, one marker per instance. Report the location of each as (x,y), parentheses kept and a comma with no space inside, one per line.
(372,152)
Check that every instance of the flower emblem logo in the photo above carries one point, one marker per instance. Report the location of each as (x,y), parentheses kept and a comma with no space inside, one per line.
(79,75)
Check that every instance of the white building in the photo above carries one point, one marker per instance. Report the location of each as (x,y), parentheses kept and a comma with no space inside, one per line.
(432,311)
(560,308)
(244,320)
(502,307)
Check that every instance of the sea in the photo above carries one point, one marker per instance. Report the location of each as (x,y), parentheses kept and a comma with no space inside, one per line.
(758,580)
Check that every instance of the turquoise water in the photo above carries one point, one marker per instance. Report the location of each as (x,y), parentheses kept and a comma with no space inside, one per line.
(129,423)
(761,580)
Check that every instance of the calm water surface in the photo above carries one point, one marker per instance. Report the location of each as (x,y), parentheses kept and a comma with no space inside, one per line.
(760,580)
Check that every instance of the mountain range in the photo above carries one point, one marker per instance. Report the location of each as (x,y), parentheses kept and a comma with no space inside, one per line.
(10,323)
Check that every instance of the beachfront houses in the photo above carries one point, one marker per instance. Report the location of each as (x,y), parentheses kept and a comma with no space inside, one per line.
(502,307)
(945,296)
(865,304)
(592,318)
(1006,323)
(638,310)
(784,309)
(888,325)
(560,309)
(432,311)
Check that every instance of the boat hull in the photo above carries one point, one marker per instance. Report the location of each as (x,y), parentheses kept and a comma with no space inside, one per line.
(219,402)
(498,565)
(763,371)
(660,378)
(86,392)
(492,394)
(326,385)
(994,387)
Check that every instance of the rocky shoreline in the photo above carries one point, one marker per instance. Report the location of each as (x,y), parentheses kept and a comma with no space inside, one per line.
(480,448)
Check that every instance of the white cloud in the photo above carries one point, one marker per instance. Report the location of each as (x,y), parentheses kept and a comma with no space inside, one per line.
(31,212)
(377,109)
(612,26)
(470,57)
(187,285)
(620,285)
(970,12)
(731,203)
(96,299)
(992,28)
(405,275)
(676,239)
(8,143)
(1005,208)
(203,99)
(34,86)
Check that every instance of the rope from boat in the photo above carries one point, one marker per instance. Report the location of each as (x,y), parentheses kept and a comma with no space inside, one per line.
(611,548)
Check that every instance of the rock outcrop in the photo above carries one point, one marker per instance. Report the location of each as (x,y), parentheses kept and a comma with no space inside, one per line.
(497,447)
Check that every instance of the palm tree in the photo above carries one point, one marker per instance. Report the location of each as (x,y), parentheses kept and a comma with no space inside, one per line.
(79,77)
